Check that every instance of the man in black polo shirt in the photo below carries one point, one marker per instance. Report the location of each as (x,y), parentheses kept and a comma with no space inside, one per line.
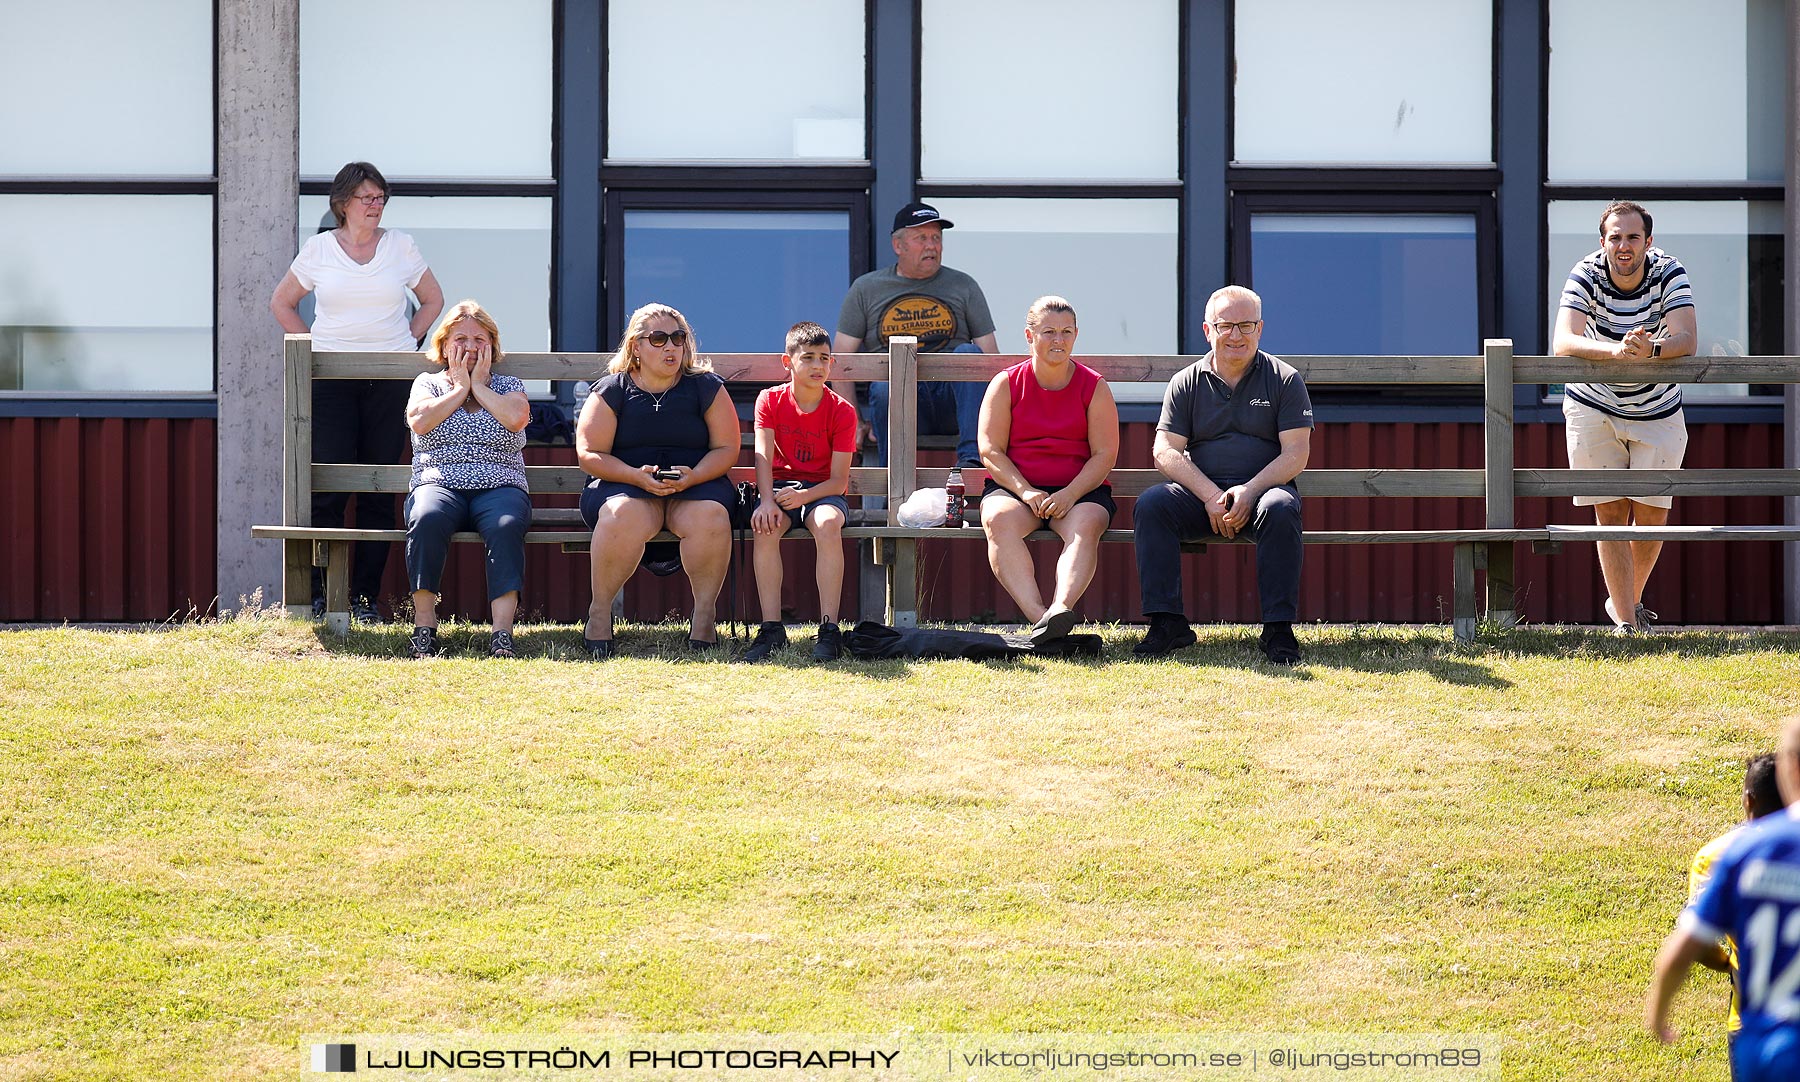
(1236,430)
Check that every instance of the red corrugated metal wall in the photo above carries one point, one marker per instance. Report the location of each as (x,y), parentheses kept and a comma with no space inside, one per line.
(106,518)
(112,519)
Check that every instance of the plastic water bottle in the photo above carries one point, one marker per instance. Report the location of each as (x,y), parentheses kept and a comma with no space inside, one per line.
(955,498)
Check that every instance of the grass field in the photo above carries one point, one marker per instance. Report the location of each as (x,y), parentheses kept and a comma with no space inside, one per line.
(216,838)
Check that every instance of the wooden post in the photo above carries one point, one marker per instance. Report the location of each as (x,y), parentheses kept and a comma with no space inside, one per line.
(1497,370)
(901,555)
(1462,601)
(296,488)
(337,586)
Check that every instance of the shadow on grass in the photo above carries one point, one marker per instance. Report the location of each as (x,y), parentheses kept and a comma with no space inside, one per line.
(1374,648)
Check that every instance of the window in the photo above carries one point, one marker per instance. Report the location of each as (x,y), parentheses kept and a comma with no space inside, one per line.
(85,97)
(1049,90)
(722,80)
(1710,111)
(1323,81)
(495,250)
(1388,284)
(426,88)
(742,277)
(139,319)
(1115,260)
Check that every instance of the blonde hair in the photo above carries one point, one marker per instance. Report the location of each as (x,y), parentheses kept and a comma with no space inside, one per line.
(624,360)
(1035,313)
(1231,293)
(463,310)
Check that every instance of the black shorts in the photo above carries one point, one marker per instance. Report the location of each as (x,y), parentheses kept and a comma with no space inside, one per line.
(1101,496)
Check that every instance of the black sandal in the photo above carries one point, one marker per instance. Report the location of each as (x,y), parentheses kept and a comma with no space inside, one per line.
(501,645)
(598,649)
(423,642)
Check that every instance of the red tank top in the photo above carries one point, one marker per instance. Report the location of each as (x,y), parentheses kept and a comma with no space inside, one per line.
(1049,439)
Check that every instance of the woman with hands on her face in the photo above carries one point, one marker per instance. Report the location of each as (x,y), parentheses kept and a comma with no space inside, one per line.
(468,471)
(1049,436)
(659,435)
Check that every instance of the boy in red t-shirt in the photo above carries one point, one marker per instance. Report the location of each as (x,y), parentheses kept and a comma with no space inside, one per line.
(805,435)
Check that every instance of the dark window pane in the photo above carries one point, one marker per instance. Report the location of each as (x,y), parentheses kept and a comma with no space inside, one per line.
(741,277)
(1391,284)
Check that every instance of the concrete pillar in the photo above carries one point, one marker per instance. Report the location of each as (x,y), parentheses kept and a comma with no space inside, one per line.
(259,196)
(1790,412)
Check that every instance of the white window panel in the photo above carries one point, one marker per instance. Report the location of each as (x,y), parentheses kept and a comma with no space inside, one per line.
(725,80)
(1113,259)
(96,87)
(1323,81)
(1049,90)
(426,88)
(1715,243)
(139,319)
(1667,90)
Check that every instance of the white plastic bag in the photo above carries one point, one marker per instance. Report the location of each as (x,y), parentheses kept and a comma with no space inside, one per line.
(923,508)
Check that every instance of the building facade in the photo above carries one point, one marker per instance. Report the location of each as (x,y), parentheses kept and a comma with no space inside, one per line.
(1401,177)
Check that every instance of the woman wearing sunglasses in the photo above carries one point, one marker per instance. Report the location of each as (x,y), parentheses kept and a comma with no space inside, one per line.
(359,275)
(659,435)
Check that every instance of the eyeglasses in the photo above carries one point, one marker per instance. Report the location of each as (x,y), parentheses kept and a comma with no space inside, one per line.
(1246,328)
(370,200)
(663,338)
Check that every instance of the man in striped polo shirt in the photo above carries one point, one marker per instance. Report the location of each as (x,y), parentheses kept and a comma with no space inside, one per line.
(1629,301)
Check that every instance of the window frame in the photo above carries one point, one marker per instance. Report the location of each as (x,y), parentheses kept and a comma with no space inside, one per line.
(1378,192)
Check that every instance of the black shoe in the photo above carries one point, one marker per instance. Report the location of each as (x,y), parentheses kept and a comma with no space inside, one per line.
(770,637)
(501,645)
(423,642)
(1168,633)
(318,607)
(598,649)
(363,611)
(1056,623)
(830,644)
(1279,645)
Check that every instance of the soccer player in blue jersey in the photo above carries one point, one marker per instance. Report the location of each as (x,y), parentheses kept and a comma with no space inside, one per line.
(1754,897)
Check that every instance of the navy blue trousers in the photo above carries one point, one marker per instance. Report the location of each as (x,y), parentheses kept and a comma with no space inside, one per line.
(500,515)
(944,407)
(1169,514)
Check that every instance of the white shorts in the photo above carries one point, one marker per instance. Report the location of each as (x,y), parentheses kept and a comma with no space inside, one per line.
(1600,441)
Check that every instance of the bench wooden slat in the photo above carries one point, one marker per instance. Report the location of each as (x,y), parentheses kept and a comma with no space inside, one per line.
(1766,482)
(540,480)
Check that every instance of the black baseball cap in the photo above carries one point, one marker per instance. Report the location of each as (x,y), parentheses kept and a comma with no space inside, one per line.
(919,214)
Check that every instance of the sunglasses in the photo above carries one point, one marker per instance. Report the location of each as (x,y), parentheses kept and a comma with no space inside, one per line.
(663,338)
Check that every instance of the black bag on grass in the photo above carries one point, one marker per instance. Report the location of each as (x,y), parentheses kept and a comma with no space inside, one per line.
(870,641)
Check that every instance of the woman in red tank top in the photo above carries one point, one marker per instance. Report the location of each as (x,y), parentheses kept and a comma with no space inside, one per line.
(1049,436)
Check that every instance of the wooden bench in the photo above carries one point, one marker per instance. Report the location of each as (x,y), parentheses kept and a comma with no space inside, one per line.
(1490,547)
(306,546)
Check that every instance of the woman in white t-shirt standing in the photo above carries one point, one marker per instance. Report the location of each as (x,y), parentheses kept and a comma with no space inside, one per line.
(359,275)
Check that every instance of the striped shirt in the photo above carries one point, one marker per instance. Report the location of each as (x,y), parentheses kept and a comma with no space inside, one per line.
(1612,313)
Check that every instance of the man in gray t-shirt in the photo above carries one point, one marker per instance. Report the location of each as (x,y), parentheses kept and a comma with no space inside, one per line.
(943,307)
(1236,429)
